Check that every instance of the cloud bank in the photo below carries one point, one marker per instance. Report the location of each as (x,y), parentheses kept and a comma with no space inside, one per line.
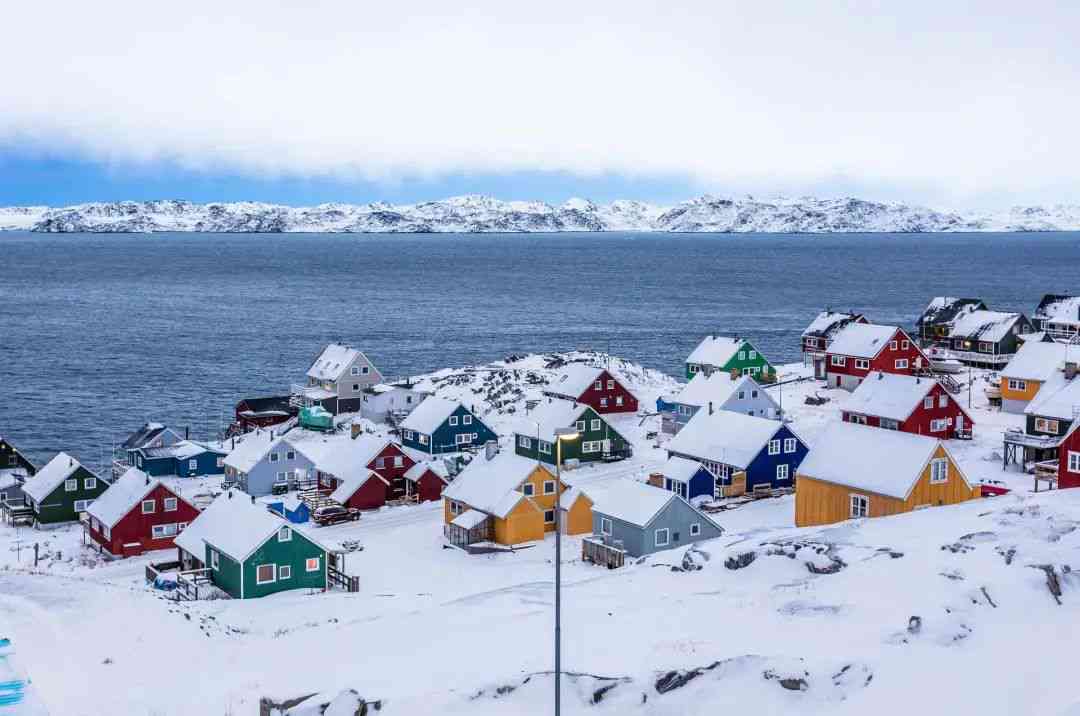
(947,102)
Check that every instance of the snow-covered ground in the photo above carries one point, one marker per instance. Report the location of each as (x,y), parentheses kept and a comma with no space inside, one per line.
(947,610)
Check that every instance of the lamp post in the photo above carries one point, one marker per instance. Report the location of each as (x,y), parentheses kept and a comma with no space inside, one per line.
(561,434)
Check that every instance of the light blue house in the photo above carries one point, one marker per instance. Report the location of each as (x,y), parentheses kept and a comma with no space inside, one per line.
(264,462)
(643,519)
(718,391)
(439,425)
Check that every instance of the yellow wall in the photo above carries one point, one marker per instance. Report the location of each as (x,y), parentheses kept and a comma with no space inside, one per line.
(1027,394)
(525,523)
(818,502)
(579,516)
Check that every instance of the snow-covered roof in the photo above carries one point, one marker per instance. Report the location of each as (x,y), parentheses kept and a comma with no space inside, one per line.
(889,395)
(1037,361)
(725,437)
(143,436)
(715,350)
(469,519)
(51,476)
(1057,398)
(630,501)
(885,462)
(680,469)
(492,485)
(181,450)
(336,454)
(569,496)
(332,362)
(251,448)
(862,340)
(946,309)
(715,388)
(989,326)
(829,322)
(352,482)
(233,524)
(548,416)
(418,469)
(122,495)
(1059,308)
(430,414)
(575,379)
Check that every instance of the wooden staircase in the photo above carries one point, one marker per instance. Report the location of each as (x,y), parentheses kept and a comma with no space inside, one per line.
(950,384)
(315,498)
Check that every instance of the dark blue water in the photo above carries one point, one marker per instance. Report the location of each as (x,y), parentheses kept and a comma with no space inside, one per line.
(101,332)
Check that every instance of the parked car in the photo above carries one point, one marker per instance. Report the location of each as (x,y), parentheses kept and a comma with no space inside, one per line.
(334,514)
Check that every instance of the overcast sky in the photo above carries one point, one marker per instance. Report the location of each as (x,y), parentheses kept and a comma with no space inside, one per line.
(947,104)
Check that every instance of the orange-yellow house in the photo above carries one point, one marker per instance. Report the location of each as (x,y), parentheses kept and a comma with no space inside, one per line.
(509,499)
(858,471)
(1033,365)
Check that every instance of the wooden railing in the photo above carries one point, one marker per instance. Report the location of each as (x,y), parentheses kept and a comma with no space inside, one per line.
(594,550)
(336,577)
(187,583)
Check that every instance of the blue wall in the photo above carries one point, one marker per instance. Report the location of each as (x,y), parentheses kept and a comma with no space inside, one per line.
(444,438)
(762,469)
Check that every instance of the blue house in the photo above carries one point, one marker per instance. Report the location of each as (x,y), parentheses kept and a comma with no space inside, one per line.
(182,459)
(731,444)
(686,478)
(439,425)
(643,519)
(288,506)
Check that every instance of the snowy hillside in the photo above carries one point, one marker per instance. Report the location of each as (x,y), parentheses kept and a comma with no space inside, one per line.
(482,214)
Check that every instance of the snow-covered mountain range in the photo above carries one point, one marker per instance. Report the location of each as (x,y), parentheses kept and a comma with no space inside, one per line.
(483,214)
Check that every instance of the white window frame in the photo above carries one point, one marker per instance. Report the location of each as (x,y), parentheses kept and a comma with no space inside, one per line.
(525,441)
(943,401)
(85,504)
(610,384)
(595,424)
(466,420)
(939,425)
(618,401)
(528,489)
(580,425)
(284,572)
(1072,463)
(284,534)
(273,575)
(171,504)
(783,471)
(355,370)
(220,461)
(215,560)
(545,447)
(1017,384)
(90,483)
(274,457)
(549,487)
(399,461)
(774,446)
(453,421)
(892,345)
(928,402)
(552,520)
(752,355)
(858,506)
(839,361)
(153,507)
(192,465)
(666,534)
(309,560)
(1047,425)
(904,345)
(423,439)
(408,435)
(695,529)
(464,438)
(598,385)
(862,363)
(603,402)
(790,445)
(605,525)
(71,485)
(901,364)
(591,446)
(365,370)
(939,471)
(163,531)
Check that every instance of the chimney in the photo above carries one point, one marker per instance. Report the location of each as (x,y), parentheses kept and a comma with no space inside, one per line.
(710,407)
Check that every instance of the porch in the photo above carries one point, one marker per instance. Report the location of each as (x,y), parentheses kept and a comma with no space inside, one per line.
(604,551)
(1021,448)
(16,511)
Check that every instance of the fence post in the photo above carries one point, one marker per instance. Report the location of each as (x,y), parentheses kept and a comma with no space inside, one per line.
(35,553)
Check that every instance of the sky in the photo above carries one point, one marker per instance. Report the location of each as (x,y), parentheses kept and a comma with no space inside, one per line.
(948,104)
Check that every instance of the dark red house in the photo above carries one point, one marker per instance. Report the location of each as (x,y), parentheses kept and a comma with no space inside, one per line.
(595,387)
(137,514)
(364,491)
(426,481)
(860,348)
(1069,458)
(908,403)
(252,413)
(381,456)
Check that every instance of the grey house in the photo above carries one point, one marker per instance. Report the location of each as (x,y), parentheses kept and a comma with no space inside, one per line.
(262,460)
(643,519)
(718,391)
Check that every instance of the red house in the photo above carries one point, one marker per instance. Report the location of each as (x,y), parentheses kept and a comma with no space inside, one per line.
(819,335)
(907,403)
(592,386)
(137,514)
(426,481)
(863,347)
(349,469)
(365,490)
(1069,458)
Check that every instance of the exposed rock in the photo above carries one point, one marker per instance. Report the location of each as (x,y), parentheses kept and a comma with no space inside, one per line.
(739,561)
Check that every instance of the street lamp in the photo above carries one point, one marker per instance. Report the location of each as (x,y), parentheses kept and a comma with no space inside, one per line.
(568,435)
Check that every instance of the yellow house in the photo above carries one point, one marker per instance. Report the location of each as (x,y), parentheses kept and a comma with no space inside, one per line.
(857,471)
(509,499)
(1026,373)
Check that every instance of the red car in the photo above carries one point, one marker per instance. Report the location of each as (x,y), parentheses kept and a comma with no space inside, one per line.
(994,489)
(332,515)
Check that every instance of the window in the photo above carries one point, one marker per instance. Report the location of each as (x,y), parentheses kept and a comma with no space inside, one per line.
(284,534)
(939,471)
(611,385)
(355,370)
(662,537)
(742,394)
(1015,384)
(463,438)
(943,400)
(221,462)
(81,505)
(862,364)
(356,387)
(857,419)
(423,439)
(986,347)
(1074,461)
(90,483)
(170,504)
(274,457)
(283,476)
(742,355)
(1045,425)
(549,517)
(265,573)
(524,442)
(753,354)
(691,368)
(549,487)
(887,423)
(789,445)
(527,489)
(545,447)
(214,562)
(399,461)
(782,472)
(466,420)
(928,402)
(892,345)
(605,525)
(618,400)
(180,527)
(753,393)
(590,446)
(71,485)
(838,360)
(380,463)
(905,345)
(860,506)
(598,385)
(148,507)
(312,564)
(290,455)
(364,370)
(603,402)
(408,434)
(580,425)
(774,447)
(901,363)
(453,420)
(695,529)
(595,424)
(938,425)
(163,531)
(284,572)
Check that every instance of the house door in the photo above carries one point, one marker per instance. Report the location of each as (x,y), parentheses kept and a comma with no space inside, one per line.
(837,381)
(607,446)
(960,423)
(819,369)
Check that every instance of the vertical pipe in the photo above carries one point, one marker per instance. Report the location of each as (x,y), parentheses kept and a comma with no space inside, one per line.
(558,570)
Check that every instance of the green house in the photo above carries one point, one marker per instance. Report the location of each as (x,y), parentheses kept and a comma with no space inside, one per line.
(61,490)
(535,435)
(721,353)
(251,552)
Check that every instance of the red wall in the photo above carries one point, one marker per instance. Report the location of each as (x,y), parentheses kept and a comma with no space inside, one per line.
(592,396)
(429,487)
(885,361)
(919,421)
(136,527)
(394,475)
(369,496)
(1066,478)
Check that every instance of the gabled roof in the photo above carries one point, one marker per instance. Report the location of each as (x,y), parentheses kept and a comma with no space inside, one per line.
(250,449)
(725,437)
(636,502)
(885,462)
(549,415)
(418,469)
(829,322)
(51,476)
(124,494)
(889,395)
(715,388)
(336,454)
(352,482)
(1057,398)
(334,360)
(944,310)
(145,435)
(715,350)
(18,452)
(182,450)
(862,340)
(1038,360)
(575,379)
(989,326)
(1059,308)
(491,485)
(430,414)
(681,469)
